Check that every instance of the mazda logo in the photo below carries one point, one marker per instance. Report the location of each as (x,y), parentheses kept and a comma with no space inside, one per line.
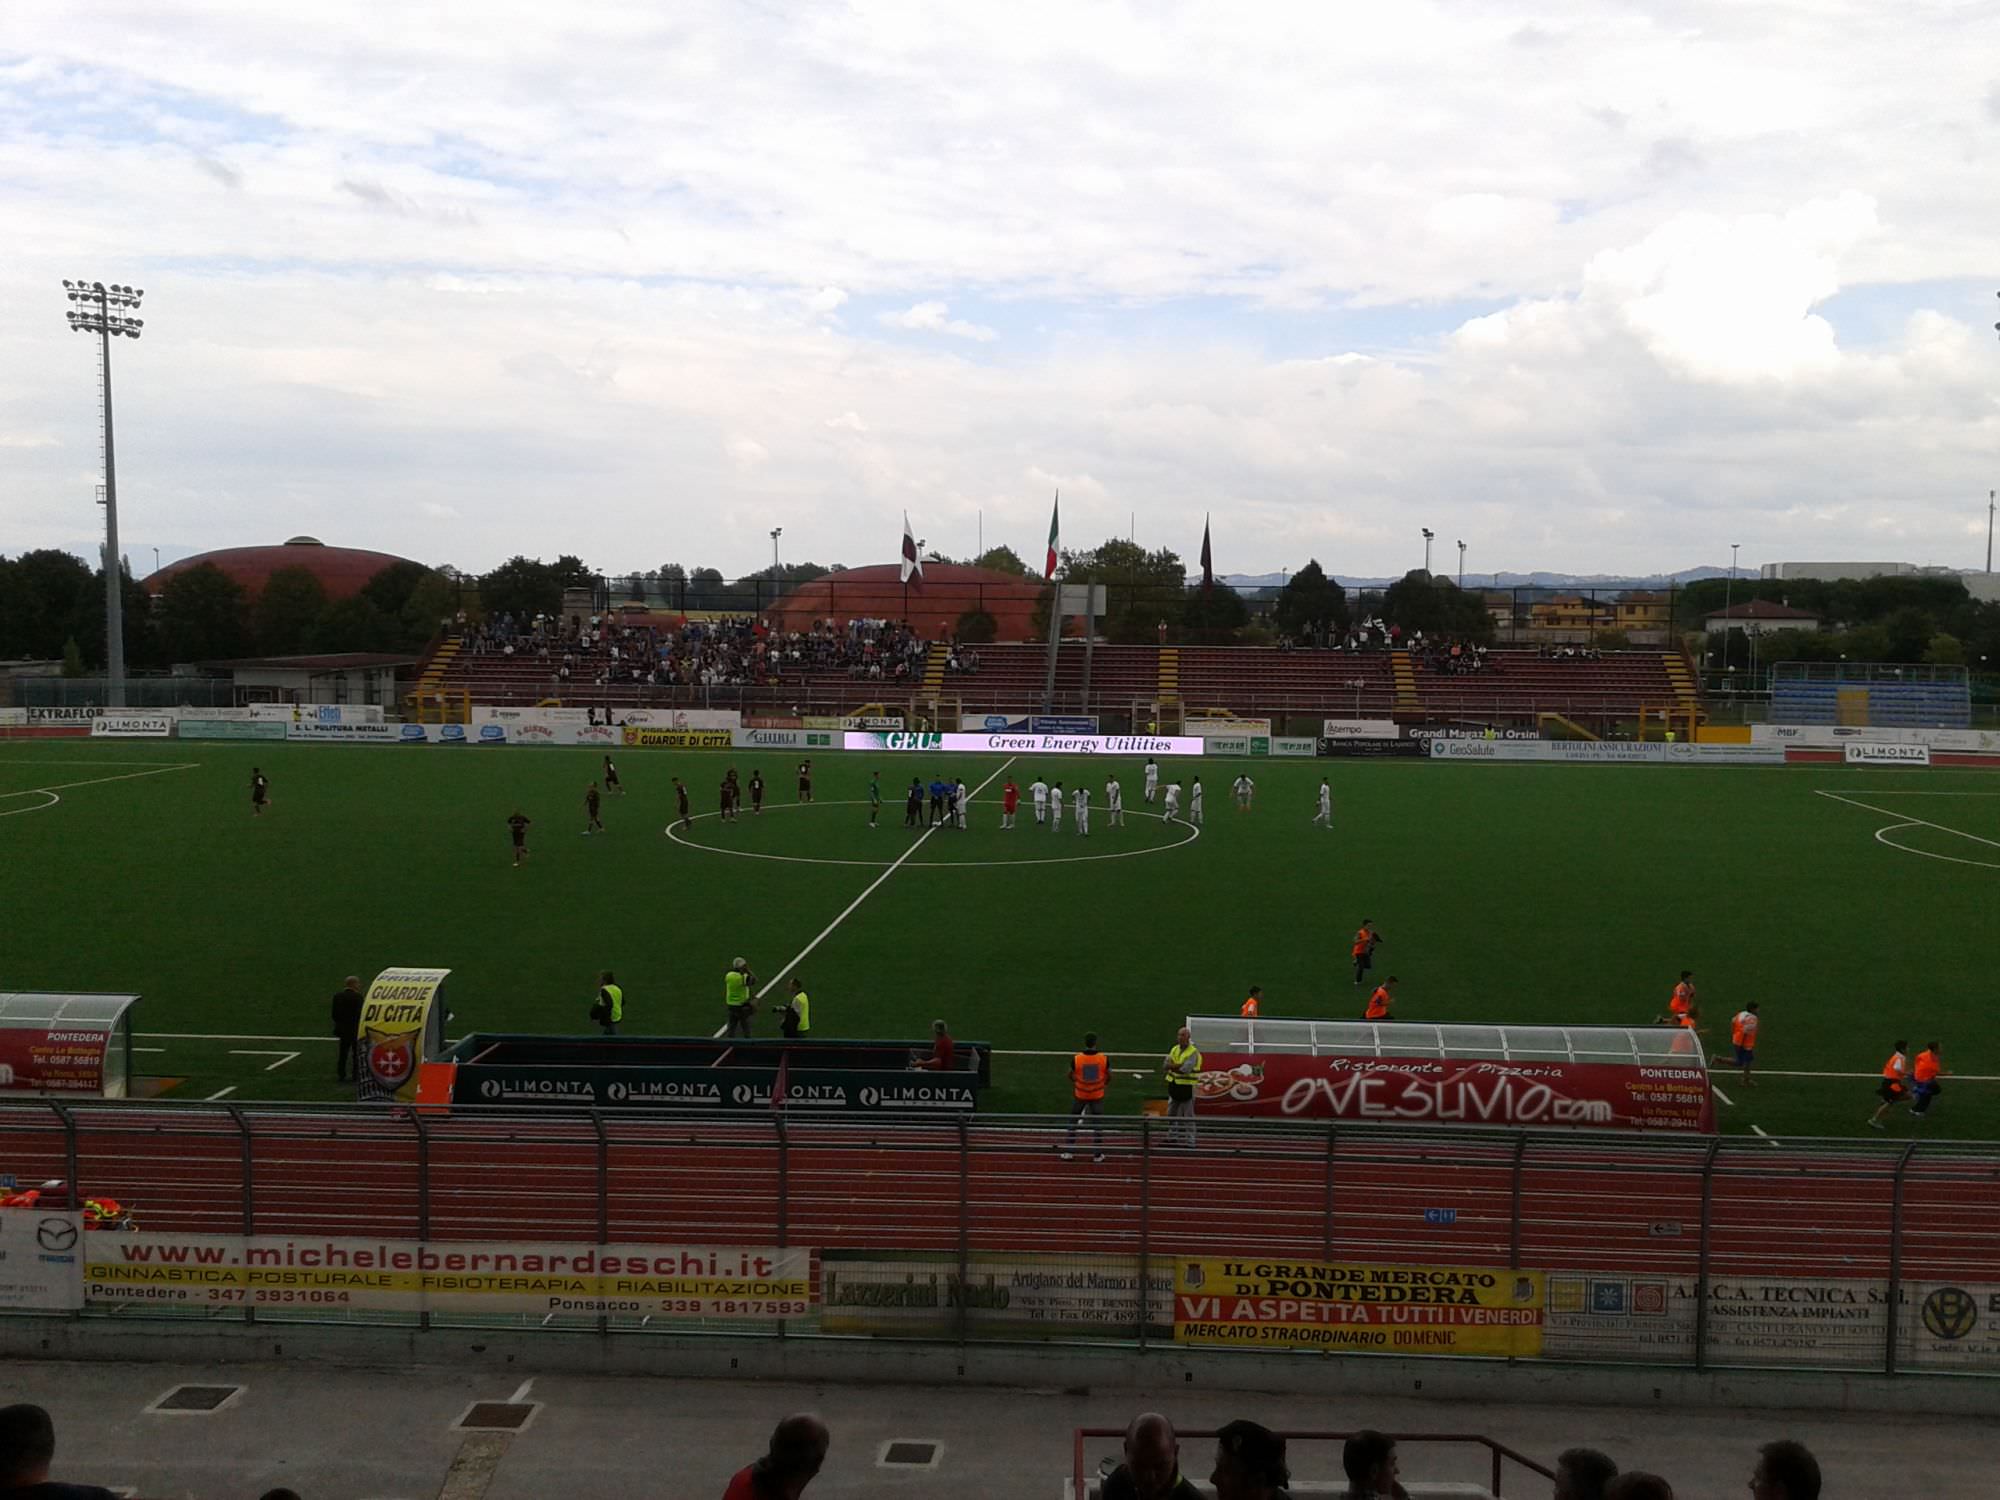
(56,1234)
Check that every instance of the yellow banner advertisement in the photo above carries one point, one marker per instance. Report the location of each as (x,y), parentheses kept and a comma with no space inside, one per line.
(538,1279)
(395,1016)
(1273,1304)
(678,739)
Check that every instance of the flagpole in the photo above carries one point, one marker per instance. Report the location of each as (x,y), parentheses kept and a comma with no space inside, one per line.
(1055,609)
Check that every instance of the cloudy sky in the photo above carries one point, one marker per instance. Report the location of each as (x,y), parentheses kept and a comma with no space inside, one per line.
(1594,287)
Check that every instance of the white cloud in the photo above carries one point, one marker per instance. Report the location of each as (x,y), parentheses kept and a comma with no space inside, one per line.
(930,317)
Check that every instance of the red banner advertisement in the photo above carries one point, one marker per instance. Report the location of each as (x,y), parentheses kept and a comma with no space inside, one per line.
(1456,1091)
(49,1060)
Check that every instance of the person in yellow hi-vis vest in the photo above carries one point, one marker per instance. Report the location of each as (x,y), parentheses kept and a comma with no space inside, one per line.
(1183,1067)
(609,1008)
(739,989)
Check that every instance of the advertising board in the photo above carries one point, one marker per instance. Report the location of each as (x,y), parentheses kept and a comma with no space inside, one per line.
(1030,724)
(132,727)
(64,715)
(1029,744)
(41,1260)
(317,713)
(1605,752)
(1238,744)
(852,1091)
(1360,729)
(1208,729)
(51,1060)
(1372,749)
(786,739)
(13,718)
(1860,753)
(230,729)
(1283,745)
(532,1278)
(1270,1304)
(918,1294)
(399,1024)
(337,733)
(637,737)
(1833,736)
(852,721)
(1456,1091)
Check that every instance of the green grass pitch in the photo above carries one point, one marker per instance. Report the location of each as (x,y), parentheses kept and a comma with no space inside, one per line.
(1506,892)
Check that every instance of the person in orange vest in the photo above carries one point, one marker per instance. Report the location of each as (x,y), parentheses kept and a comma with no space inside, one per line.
(1089,1072)
(1381,1000)
(1251,1004)
(1363,951)
(1929,1068)
(1743,1037)
(1894,1087)
(1681,1004)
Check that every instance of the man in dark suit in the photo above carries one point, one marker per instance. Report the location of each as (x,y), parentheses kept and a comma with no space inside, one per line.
(346,1026)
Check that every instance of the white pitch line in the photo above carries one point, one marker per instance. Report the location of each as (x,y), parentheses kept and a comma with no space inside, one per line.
(521,1391)
(1767,1137)
(1904,820)
(873,885)
(1722,1096)
(220,1094)
(64,786)
(282,1057)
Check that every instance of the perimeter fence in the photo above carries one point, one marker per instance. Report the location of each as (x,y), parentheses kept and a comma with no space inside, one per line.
(1706,1251)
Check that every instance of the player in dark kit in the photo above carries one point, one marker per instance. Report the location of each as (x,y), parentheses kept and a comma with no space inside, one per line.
(805,781)
(681,803)
(518,826)
(913,804)
(611,781)
(756,792)
(591,803)
(260,793)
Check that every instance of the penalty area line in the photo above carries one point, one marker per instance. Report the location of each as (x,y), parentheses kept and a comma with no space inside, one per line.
(873,885)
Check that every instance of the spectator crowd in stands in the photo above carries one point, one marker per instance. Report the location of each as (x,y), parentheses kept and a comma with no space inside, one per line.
(1568,652)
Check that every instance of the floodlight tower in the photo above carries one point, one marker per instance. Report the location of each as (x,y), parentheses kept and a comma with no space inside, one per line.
(109,312)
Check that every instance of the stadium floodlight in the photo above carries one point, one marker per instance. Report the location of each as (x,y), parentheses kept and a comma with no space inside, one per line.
(1461,563)
(109,312)
(1429,537)
(776,532)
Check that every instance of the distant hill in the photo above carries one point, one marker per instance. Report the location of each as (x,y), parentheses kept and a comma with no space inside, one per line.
(1605,581)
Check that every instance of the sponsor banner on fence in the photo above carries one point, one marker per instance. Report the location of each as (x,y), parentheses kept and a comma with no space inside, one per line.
(64,715)
(837,722)
(1284,745)
(1833,736)
(1619,1316)
(534,1278)
(51,1060)
(678,718)
(395,1019)
(1030,744)
(1259,1304)
(677,739)
(41,1260)
(1238,744)
(230,729)
(1360,729)
(854,1091)
(132,727)
(317,713)
(918,1294)
(1606,752)
(1857,753)
(785,739)
(1208,729)
(1456,1091)
(1372,749)
(1461,732)
(341,734)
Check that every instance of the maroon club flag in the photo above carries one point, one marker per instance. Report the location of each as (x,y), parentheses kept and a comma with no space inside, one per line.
(911,562)
(1207,563)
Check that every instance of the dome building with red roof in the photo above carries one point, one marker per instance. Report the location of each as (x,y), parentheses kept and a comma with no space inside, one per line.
(342,571)
(932,604)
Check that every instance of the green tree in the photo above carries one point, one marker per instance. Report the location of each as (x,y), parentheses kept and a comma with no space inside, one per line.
(1311,599)
(432,601)
(356,624)
(204,616)
(72,658)
(1142,588)
(1945,651)
(1214,616)
(1436,606)
(976,626)
(522,586)
(287,611)
(390,589)
(41,594)
(1001,560)
(86,623)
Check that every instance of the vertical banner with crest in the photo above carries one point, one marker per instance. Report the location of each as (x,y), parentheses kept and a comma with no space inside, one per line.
(402,1022)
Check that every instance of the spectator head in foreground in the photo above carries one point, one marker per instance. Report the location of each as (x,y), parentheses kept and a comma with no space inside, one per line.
(1785,1471)
(1583,1474)
(797,1451)
(1369,1460)
(1638,1485)
(1249,1463)
(1152,1458)
(27,1448)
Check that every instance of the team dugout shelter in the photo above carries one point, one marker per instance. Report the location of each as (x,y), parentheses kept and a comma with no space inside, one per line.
(707,1073)
(75,1045)
(1641,1078)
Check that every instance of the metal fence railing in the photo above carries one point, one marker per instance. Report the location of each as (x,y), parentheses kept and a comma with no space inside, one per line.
(1698,1252)
(1493,1457)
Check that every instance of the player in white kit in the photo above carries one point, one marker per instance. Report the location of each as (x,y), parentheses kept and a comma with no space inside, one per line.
(1325,813)
(1194,802)
(1055,806)
(1245,790)
(1039,790)
(1173,802)
(1152,777)
(1083,810)
(1114,802)
(964,801)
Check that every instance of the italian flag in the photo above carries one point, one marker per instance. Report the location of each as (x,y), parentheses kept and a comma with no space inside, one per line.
(1055,530)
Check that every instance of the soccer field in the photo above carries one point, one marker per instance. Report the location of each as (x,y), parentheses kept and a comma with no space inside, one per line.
(1524,893)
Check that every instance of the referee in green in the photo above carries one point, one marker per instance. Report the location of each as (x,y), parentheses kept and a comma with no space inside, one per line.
(738,987)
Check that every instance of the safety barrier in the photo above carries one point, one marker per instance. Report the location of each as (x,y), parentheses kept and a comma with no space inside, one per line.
(1498,1455)
(1866,1256)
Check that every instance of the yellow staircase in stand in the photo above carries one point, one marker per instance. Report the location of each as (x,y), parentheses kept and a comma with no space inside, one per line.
(1682,680)
(935,656)
(434,669)
(1169,689)
(1407,700)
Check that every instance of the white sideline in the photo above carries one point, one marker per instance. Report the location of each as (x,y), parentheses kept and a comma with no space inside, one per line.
(64,786)
(873,885)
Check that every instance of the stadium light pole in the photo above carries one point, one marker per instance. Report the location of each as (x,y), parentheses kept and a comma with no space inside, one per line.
(1728,602)
(109,312)
(1461,566)
(1429,537)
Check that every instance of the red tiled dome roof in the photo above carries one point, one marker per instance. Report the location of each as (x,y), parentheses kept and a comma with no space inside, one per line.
(342,571)
(935,602)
